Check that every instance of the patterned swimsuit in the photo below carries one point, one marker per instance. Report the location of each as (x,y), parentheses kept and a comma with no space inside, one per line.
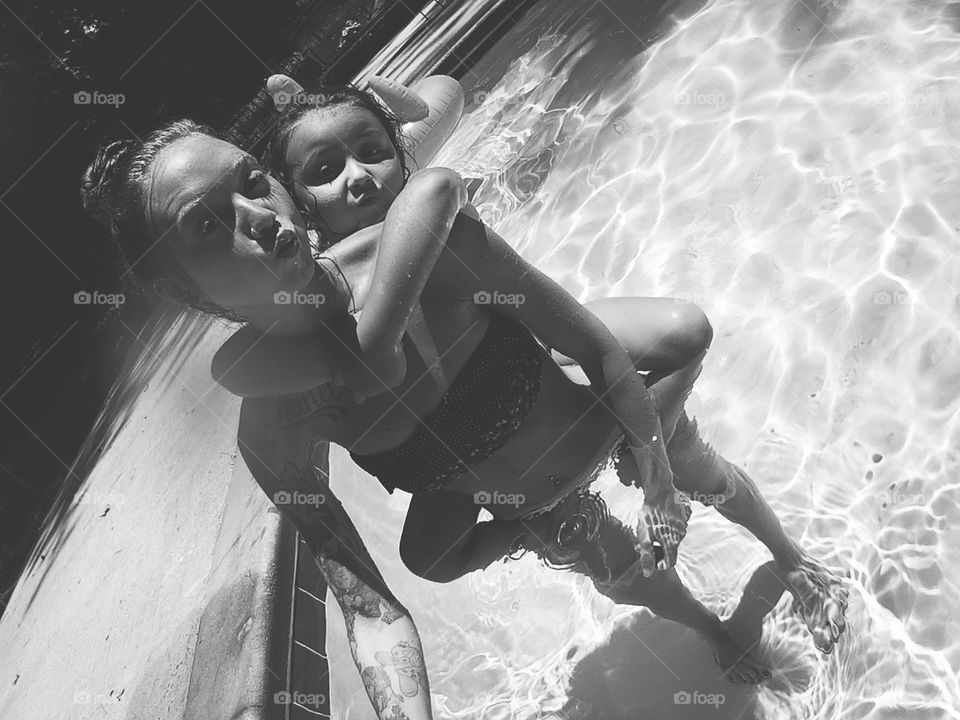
(484,406)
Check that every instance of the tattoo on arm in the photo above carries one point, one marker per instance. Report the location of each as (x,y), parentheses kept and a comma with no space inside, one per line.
(280,457)
(324,401)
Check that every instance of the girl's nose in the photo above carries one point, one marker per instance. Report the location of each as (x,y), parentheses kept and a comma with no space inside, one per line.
(359,179)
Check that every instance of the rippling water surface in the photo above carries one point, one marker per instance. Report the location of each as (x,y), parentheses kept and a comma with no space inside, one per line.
(794,168)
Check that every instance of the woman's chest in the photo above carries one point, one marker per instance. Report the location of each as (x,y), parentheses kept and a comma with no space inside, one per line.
(439,341)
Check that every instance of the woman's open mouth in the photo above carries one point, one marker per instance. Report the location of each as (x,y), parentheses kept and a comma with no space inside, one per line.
(286,246)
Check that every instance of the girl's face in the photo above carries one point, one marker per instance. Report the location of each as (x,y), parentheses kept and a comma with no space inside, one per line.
(344,168)
(233,228)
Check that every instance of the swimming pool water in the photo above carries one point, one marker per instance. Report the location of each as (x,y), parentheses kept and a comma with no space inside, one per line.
(792,167)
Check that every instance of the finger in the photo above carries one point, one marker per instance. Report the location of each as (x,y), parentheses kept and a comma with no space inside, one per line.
(647,559)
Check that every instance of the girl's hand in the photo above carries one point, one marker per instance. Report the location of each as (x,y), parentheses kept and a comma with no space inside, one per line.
(665,509)
(665,524)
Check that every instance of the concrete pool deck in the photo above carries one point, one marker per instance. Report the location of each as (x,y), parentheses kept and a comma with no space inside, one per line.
(166,584)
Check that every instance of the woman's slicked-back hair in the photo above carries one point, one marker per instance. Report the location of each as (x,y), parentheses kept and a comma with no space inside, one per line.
(326,96)
(114,193)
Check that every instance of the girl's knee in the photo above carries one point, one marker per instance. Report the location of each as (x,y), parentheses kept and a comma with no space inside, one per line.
(694,331)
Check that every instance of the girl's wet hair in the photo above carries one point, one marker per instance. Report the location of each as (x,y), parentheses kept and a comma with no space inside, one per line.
(327,96)
(114,193)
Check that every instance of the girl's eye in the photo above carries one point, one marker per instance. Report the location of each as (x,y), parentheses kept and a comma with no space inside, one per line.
(371,153)
(326,174)
(257,182)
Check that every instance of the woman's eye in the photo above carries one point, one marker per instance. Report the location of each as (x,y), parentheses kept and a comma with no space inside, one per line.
(371,153)
(209,225)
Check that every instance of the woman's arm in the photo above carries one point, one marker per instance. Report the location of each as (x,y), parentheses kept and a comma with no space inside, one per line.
(251,364)
(382,635)
(414,233)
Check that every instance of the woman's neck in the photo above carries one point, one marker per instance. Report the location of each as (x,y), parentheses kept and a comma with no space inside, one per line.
(302,312)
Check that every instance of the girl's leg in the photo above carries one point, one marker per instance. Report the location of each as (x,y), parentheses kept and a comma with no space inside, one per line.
(668,336)
(819,595)
(606,553)
(657,333)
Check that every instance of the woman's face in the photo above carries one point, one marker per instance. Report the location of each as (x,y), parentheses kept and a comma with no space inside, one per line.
(232,227)
(344,167)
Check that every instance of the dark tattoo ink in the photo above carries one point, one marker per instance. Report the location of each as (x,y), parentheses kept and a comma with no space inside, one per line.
(325,402)
(408,663)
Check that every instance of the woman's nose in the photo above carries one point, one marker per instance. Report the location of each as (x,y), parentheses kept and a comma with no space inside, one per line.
(259,221)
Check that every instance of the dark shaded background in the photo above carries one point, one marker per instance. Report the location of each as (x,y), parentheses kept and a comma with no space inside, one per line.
(204,59)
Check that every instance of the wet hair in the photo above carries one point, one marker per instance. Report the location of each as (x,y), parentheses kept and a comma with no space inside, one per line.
(114,193)
(326,96)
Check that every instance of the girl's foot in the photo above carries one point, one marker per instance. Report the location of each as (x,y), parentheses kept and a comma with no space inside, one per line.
(740,665)
(820,599)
